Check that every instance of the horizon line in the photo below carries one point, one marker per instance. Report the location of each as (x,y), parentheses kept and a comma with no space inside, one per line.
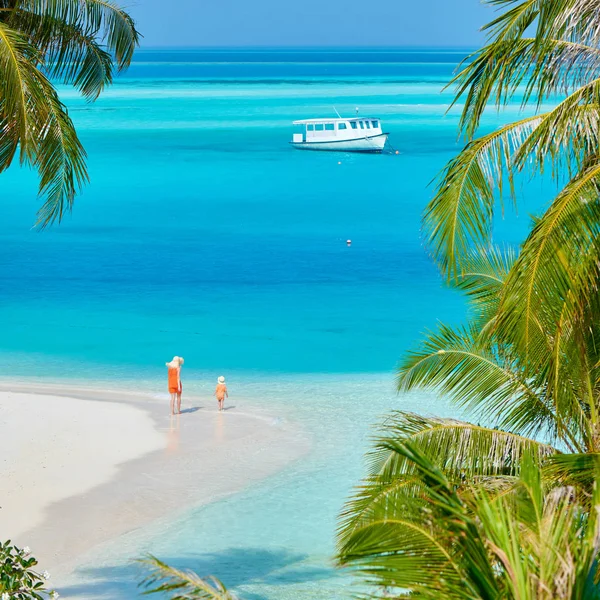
(304,47)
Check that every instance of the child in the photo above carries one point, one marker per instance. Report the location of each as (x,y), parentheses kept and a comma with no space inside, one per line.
(221,392)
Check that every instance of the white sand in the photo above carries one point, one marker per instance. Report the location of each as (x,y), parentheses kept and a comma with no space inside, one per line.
(52,448)
(86,467)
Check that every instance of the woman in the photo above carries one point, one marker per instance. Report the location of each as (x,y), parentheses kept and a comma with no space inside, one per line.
(221,392)
(174,374)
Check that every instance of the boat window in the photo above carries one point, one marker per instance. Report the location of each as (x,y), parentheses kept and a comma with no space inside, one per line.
(310,127)
(341,125)
(375,124)
(353,124)
(362,125)
(329,126)
(368,124)
(319,127)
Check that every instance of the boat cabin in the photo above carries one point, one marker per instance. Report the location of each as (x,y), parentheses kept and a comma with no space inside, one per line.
(316,130)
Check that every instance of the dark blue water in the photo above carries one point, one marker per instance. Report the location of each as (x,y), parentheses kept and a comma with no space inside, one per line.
(203,233)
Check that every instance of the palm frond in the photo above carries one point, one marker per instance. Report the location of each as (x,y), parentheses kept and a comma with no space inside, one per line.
(571,20)
(467,454)
(70,51)
(35,119)
(565,139)
(465,367)
(102,19)
(514,21)
(578,470)
(61,38)
(536,538)
(60,160)
(400,549)
(482,279)
(460,215)
(181,585)
(536,543)
(459,218)
(459,448)
(17,87)
(558,265)
(536,68)
(575,20)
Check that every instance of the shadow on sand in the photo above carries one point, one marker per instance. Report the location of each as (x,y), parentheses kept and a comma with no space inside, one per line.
(235,567)
(193,409)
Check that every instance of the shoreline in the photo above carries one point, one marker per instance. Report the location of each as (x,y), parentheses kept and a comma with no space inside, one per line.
(168,465)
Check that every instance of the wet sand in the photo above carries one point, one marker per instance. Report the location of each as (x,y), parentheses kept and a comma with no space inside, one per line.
(85,466)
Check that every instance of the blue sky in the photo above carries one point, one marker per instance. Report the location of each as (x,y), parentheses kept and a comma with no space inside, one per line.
(310,22)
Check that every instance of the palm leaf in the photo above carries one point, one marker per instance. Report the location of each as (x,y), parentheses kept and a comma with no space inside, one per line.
(461,449)
(464,366)
(535,537)
(558,261)
(181,585)
(99,18)
(17,87)
(482,279)
(444,541)
(71,52)
(579,470)
(399,549)
(460,214)
(41,38)
(512,23)
(467,454)
(537,68)
(60,160)
(572,20)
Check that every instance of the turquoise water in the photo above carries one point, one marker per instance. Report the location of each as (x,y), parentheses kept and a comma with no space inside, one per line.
(204,234)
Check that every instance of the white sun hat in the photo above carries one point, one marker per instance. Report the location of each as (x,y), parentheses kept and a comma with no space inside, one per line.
(221,379)
(176,362)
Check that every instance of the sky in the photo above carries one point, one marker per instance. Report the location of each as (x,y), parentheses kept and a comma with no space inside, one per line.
(454,23)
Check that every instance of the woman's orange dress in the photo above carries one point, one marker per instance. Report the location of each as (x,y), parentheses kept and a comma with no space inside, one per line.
(174,381)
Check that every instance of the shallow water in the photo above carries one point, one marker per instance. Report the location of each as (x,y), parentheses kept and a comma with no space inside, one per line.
(204,234)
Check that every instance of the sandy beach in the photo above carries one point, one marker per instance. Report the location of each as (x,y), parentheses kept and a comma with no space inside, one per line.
(82,467)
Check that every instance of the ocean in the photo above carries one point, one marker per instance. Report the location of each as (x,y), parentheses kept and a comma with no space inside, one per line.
(203,233)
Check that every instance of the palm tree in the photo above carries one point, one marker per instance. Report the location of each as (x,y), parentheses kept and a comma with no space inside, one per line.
(485,375)
(420,534)
(537,49)
(78,42)
(546,417)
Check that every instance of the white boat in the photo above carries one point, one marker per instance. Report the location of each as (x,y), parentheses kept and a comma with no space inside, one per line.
(357,134)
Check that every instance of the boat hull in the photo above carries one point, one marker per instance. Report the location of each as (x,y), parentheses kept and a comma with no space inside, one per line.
(375,143)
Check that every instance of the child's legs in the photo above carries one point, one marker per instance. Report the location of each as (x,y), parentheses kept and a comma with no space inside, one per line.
(173,403)
(179,402)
